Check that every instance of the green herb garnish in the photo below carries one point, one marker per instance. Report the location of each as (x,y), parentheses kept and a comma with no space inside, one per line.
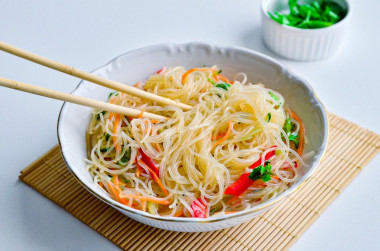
(295,138)
(112,93)
(274,96)
(269,116)
(288,126)
(211,81)
(318,14)
(223,86)
(262,172)
(98,115)
(107,136)
(103,150)
(126,157)
(124,180)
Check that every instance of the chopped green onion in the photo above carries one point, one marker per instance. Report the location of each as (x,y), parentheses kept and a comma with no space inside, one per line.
(107,136)
(318,14)
(124,180)
(251,134)
(274,96)
(103,150)
(295,138)
(269,116)
(288,126)
(223,86)
(126,157)
(112,93)
(98,115)
(211,81)
(262,172)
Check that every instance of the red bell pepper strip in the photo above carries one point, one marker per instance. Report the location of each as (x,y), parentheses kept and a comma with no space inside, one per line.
(199,212)
(244,182)
(149,162)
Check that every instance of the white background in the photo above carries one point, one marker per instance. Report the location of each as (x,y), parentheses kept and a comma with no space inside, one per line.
(87,34)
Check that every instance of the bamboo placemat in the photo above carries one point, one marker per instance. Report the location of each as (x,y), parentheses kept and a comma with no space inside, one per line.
(350,148)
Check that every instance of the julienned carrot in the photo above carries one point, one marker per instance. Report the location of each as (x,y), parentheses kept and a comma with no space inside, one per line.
(179,213)
(141,113)
(115,126)
(154,121)
(184,76)
(138,171)
(158,148)
(143,204)
(225,79)
(145,198)
(101,184)
(155,177)
(225,137)
(301,133)
(115,194)
(138,84)
(230,212)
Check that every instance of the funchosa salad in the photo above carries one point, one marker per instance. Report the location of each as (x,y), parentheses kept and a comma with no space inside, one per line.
(238,146)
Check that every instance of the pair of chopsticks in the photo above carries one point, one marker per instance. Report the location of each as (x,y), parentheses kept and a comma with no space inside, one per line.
(86,76)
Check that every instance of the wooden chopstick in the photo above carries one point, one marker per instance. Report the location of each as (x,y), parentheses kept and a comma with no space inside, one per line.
(88,76)
(76,99)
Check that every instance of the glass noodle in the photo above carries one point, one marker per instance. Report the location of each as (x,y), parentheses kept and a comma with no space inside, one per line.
(198,153)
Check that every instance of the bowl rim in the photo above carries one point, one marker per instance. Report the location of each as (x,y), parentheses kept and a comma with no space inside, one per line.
(337,25)
(257,208)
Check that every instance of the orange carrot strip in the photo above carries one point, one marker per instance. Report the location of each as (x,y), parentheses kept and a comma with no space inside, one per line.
(178,214)
(115,193)
(224,79)
(154,121)
(217,137)
(143,204)
(184,76)
(141,113)
(138,84)
(158,148)
(300,133)
(101,184)
(155,177)
(230,212)
(230,201)
(138,171)
(139,197)
(276,177)
(225,136)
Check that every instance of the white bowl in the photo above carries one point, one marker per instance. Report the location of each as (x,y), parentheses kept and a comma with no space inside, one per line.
(302,44)
(139,64)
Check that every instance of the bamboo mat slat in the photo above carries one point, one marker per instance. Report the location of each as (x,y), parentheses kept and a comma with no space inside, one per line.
(350,148)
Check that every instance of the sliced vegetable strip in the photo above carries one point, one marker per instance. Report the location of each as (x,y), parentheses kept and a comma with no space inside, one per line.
(186,74)
(244,182)
(149,162)
(225,137)
(145,198)
(199,212)
(155,177)
(301,133)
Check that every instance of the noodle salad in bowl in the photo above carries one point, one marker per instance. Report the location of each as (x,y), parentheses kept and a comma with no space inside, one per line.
(238,146)
(255,134)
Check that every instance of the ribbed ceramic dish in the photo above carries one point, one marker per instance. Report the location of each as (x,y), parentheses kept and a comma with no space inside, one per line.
(139,64)
(302,44)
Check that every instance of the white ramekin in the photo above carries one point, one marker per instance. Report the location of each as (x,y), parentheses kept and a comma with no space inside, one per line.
(302,44)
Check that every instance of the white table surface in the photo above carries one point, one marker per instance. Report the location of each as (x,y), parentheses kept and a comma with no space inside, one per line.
(87,34)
